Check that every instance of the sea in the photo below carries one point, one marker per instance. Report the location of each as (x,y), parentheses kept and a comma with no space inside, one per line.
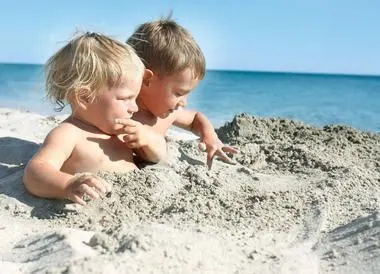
(315,99)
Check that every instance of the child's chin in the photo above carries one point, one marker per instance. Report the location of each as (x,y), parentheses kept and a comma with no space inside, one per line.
(163,115)
(166,114)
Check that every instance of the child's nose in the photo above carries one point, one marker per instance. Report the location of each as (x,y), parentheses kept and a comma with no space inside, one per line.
(133,107)
(183,102)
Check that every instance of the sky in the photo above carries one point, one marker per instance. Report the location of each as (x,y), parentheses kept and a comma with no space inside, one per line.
(327,36)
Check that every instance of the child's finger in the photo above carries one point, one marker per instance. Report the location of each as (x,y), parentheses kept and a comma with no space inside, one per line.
(128,130)
(105,185)
(126,122)
(129,138)
(229,149)
(210,157)
(76,199)
(202,146)
(89,191)
(133,144)
(221,154)
(97,184)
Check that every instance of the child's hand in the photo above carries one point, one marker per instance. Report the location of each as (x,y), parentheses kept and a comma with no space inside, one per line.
(214,147)
(135,133)
(85,184)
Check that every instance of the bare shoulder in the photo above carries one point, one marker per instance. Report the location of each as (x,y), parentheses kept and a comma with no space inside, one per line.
(58,145)
(65,132)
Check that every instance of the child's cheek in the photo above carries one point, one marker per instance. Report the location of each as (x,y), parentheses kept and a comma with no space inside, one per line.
(122,108)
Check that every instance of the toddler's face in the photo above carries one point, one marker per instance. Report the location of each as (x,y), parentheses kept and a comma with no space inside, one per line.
(113,104)
(169,93)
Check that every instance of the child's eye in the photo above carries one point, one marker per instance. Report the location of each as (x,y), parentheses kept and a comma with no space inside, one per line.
(126,98)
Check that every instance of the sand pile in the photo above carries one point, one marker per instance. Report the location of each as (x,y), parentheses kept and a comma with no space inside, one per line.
(299,200)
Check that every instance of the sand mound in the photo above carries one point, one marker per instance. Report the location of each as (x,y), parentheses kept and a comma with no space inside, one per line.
(299,200)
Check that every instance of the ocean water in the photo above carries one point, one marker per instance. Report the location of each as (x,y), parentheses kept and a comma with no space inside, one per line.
(316,99)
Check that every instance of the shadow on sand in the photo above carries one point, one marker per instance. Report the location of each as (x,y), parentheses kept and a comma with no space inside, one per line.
(14,155)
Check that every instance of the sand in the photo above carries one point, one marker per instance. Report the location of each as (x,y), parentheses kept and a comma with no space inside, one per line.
(300,199)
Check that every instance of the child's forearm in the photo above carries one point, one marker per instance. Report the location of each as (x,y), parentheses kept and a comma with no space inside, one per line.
(155,150)
(202,127)
(43,180)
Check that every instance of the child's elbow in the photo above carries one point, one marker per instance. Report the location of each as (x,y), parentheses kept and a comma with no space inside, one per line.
(28,181)
(153,159)
(159,157)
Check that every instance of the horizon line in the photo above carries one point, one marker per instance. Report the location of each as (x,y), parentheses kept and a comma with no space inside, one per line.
(252,71)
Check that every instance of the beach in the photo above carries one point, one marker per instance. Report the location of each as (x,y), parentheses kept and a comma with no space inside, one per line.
(300,199)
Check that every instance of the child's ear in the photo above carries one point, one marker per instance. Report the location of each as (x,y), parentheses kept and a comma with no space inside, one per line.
(147,78)
(82,99)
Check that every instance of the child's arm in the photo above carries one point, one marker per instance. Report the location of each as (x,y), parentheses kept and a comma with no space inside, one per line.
(42,175)
(149,144)
(198,123)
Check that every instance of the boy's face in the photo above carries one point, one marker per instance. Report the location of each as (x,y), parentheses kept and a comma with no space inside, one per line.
(163,95)
(113,103)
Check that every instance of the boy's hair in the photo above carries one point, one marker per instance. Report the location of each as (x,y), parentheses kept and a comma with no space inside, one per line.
(88,63)
(165,47)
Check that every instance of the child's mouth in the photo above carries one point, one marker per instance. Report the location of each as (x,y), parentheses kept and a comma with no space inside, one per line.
(170,111)
(174,109)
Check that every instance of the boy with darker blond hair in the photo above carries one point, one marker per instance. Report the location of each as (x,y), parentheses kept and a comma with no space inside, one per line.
(174,66)
(100,79)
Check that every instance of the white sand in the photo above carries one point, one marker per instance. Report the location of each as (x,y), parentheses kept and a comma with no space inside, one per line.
(300,200)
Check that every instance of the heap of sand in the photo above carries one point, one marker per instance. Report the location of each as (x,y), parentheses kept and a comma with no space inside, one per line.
(300,199)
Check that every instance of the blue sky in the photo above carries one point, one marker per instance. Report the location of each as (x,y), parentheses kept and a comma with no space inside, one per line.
(331,36)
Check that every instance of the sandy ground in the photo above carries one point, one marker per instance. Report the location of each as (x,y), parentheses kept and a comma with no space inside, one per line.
(299,200)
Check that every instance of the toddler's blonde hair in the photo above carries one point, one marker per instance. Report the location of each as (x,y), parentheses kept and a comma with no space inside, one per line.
(88,63)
